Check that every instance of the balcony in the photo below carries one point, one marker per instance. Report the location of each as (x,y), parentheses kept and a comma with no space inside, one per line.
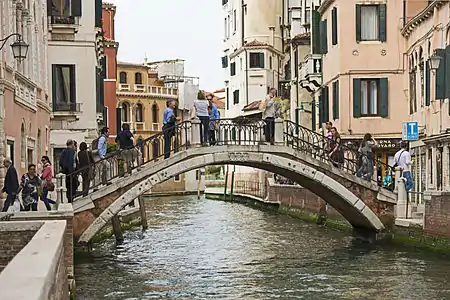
(123,87)
(63,28)
(67,107)
(163,91)
(139,88)
(310,72)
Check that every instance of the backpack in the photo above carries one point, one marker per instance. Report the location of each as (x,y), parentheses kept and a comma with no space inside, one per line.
(125,142)
(94,146)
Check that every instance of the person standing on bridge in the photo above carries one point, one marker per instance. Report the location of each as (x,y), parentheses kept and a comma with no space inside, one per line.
(169,122)
(201,107)
(402,159)
(269,108)
(336,154)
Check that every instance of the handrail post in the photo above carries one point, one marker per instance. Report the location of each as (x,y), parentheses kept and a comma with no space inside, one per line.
(61,196)
(195,133)
(279,136)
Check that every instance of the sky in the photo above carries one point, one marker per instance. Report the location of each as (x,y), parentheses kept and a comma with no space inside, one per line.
(171,29)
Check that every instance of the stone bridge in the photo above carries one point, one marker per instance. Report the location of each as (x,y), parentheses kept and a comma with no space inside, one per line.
(363,203)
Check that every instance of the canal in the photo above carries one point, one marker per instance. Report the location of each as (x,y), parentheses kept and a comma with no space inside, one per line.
(216,250)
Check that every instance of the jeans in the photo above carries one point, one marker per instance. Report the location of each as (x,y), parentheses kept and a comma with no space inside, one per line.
(167,143)
(212,137)
(204,130)
(86,176)
(71,186)
(409,182)
(269,129)
(45,199)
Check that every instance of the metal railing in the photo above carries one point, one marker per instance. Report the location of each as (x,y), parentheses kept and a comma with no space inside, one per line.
(242,131)
(252,188)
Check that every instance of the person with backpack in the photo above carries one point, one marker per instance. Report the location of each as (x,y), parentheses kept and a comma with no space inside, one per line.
(125,141)
(402,159)
(367,156)
(102,147)
(67,165)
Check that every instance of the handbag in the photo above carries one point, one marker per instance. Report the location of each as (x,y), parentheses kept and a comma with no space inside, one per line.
(50,186)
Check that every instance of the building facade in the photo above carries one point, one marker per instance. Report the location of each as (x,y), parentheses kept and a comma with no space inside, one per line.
(110,47)
(427,34)
(75,71)
(360,48)
(253,55)
(24,90)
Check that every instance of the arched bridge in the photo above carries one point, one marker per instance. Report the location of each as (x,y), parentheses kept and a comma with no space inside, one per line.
(296,153)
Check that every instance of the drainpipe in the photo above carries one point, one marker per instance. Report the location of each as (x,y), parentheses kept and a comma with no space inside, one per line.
(245,50)
(404,13)
(246,75)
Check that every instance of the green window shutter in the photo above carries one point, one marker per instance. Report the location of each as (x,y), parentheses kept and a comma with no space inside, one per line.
(315,32)
(382,22)
(336,100)
(326,105)
(321,101)
(427,84)
(334,25)
(76,8)
(323,37)
(447,74)
(98,12)
(358,22)
(261,60)
(384,97)
(356,98)
(440,75)
(54,85)
(313,117)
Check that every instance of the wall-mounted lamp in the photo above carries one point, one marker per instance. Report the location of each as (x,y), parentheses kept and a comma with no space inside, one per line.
(435,61)
(19,47)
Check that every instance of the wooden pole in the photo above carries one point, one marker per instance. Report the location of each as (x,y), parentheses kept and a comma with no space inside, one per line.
(116,229)
(143,212)
(199,175)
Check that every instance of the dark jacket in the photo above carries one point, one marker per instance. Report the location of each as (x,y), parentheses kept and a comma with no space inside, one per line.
(85,158)
(124,139)
(11,184)
(67,161)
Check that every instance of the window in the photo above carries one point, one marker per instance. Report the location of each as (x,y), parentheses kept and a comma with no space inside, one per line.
(370,97)
(236,97)
(324,36)
(308,16)
(123,78)
(336,100)
(412,91)
(56,156)
(155,111)
(30,156)
(124,112)
(371,22)
(39,143)
(23,144)
(257,60)
(226,28)
(63,87)
(10,150)
(270,62)
(177,178)
(224,2)
(234,21)
(64,11)
(138,78)
(139,116)
(224,61)
(443,74)
(334,26)
(232,69)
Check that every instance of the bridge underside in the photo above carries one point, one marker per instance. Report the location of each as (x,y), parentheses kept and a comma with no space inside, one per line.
(362,203)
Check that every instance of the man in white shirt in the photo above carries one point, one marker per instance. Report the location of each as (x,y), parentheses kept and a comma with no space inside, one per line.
(402,159)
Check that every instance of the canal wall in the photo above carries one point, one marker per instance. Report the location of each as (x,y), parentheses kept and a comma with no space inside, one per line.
(36,265)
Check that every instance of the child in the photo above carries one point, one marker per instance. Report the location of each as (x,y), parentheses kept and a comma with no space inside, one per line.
(212,126)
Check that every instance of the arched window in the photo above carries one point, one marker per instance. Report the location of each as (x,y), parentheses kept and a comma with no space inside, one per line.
(138,78)
(139,117)
(124,111)
(123,78)
(155,111)
(39,143)
(23,145)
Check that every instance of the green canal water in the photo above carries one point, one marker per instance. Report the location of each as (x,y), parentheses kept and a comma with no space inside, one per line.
(216,250)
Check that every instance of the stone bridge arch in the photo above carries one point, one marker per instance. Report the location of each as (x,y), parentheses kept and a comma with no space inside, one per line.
(362,203)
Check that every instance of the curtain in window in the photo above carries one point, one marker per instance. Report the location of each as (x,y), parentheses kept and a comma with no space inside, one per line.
(61,8)
(139,112)
(364,98)
(63,85)
(369,23)
(124,113)
(373,109)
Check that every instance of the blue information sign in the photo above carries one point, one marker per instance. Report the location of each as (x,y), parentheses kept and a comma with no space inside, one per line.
(410,131)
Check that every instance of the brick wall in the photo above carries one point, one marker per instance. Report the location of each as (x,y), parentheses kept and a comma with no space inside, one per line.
(437,214)
(11,242)
(170,186)
(300,198)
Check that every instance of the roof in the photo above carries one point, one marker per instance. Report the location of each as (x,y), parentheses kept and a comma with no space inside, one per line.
(220,91)
(218,103)
(252,106)
(255,43)
(124,63)
(305,35)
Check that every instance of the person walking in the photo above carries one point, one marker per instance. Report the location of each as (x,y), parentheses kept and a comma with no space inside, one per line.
(201,108)
(212,126)
(48,185)
(367,157)
(67,165)
(125,141)
(402,159)
(102,149)
(269,108)
(11,184)
(336,155)
(85,160)
(169,122)
(29,186)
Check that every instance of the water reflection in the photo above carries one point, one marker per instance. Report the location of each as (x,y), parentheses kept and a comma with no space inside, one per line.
(215,250)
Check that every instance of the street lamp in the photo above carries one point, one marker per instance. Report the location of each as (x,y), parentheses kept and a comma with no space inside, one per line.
(435,61)
(19,47)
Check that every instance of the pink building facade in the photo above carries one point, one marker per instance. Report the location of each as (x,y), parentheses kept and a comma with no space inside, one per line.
(24,102)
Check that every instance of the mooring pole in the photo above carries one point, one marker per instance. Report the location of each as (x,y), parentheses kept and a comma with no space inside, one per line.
(232,182)
(116,229)
(226,184)
(144,221)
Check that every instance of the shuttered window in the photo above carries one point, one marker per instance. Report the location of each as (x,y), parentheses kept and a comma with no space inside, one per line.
(224,61)
(232,69)
(257,60)
(427,84)
(315,32)
(336,100)
(370,97)
(236,97)
(371,22)
(334,26)
(324,37)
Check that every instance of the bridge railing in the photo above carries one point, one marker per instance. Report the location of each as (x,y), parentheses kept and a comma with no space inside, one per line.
(253,188)
(319,147)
